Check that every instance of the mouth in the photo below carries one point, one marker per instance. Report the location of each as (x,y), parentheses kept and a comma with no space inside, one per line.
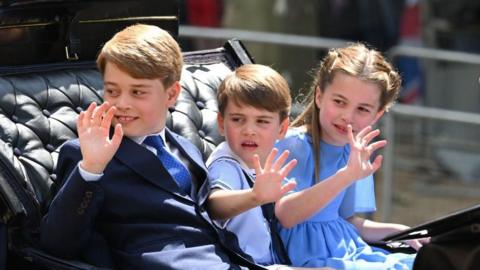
(249,145)
(342,129)
(124,119)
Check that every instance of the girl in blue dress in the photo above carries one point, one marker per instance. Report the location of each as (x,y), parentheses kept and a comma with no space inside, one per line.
(332,142)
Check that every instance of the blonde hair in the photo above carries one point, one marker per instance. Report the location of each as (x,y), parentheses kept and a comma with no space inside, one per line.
(258,86)
(355,60)
(144,51)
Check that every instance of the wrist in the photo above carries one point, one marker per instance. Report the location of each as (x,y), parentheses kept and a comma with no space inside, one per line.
(92,167)
(255,198)
(345,175)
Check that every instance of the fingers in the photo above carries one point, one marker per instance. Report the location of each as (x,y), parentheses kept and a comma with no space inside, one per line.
(351,139)
(287,168)
(96,116)
(85,116)
(425,240)
(256,164)
(288,187)
(364,131)
(280,160)
(107,118)
(81,116)
(377,163)
(376,145)
(415,244)
(270,158)
(117,136)
(98,113)
(369,136)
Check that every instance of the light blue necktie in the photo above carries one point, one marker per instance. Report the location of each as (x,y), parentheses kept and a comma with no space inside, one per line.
(174,167)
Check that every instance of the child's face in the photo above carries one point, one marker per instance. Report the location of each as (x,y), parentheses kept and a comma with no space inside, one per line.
(250,131)
(347,100)
(141,103)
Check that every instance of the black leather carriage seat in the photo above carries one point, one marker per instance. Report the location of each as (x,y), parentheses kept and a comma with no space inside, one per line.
(38,111)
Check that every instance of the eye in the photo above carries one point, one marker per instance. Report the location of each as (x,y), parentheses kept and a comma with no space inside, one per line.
(364,109)
(339,101)
(111,92)
(137,92)
(263,121)
(236,119)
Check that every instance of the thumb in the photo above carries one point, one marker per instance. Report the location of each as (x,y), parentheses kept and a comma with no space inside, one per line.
(377,163)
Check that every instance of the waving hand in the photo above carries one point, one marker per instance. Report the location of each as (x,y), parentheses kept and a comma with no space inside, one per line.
(269,185)
(93,128)
(361,150)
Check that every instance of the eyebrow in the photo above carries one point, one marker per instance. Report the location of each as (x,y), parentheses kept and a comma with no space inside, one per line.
(133,85)
(261,116)
(361,104)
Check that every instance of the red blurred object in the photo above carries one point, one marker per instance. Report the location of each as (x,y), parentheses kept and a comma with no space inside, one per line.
(204,12)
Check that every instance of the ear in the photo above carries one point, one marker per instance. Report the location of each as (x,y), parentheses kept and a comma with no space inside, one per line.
(378,115)
(283,128)
(220,121)
(318,96)
(172,93)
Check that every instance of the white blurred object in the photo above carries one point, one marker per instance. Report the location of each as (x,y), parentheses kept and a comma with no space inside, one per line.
(460,162)
(280,8)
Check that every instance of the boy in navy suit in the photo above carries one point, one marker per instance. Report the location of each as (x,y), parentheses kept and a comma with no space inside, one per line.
(115,179)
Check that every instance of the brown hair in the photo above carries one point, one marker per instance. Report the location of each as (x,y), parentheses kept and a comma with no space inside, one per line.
(258,86)
(144,51)
(355,60)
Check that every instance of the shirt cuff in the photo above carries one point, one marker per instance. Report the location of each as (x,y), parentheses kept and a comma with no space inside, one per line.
(88,176)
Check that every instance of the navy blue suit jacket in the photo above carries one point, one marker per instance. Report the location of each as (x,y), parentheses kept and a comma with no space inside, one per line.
(139,210)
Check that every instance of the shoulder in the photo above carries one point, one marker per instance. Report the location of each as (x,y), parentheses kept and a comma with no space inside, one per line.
(68,158)
(71,144)
(184,143)
(70,148)
(296,139)
(298,143)
(225,163)
(225,166)
(226,173)
(180,138)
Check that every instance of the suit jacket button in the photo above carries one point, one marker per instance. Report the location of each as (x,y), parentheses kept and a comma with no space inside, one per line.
(84,204)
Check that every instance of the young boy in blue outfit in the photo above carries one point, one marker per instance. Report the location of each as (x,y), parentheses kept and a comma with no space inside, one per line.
(254,105)
(130,179)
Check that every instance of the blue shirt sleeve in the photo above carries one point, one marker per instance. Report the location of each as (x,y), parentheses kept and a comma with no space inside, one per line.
(299,149)
(226,174)
(359,198)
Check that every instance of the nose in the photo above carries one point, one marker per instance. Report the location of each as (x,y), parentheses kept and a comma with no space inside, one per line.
(249,129)
(121,102)
(348,115)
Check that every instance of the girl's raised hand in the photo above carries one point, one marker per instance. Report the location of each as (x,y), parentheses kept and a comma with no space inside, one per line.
(93,127)
(269,185)
(361,150)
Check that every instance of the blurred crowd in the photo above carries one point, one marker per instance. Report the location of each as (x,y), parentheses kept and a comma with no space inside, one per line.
(452,25)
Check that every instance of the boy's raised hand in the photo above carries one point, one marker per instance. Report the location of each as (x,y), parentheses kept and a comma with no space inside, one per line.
(269,185)
(359,165)
(93,126)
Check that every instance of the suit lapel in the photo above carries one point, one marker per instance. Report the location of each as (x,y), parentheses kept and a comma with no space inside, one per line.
(140,160)
(189,151)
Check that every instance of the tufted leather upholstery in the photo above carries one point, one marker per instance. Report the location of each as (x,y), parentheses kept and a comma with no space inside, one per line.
(37,114)
(38,111)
